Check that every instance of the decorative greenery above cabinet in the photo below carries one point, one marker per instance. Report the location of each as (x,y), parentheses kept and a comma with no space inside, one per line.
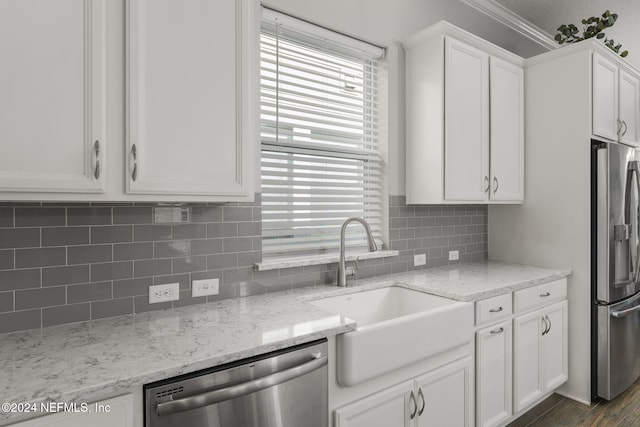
(464,119)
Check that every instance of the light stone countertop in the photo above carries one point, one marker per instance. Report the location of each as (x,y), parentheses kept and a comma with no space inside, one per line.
(86,361)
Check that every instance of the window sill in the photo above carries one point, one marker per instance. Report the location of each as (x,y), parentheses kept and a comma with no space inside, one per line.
(318,259)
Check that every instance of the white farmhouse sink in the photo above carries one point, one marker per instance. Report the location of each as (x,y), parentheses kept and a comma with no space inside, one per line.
(396,327)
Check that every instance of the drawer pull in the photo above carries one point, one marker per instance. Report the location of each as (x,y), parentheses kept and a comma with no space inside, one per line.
(546,294)
(498,331)
(496,310)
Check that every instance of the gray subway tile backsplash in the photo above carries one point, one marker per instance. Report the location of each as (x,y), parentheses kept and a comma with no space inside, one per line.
(40,257)
(67,263)
(6,259)
(20,320)
(111,308)
(111,271)
(42,297)
(89,292)
(6,301)
(89,216)
(67,275)
(39,216)
(6,216)
(71,313)
(19,238)
(89,254)
(112,234)
(65,236)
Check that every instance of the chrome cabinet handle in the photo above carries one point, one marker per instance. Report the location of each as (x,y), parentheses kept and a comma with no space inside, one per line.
(549,323)
(421,396)
(487,184)
(496,310)
(242,389)
(497,331)
(544,322)
(497,184)
(96,148)
(134,151)
(546,294)
(619,126)
(412,398)
(624,132)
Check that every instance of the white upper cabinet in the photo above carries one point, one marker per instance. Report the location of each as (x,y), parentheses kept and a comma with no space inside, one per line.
(629,108)
(616,101)
(507,131)
(188,96)
(52,102)
(466,129)
(464,119)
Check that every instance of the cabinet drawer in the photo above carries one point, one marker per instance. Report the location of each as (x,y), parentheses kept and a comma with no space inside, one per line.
(535,296)
(493,309)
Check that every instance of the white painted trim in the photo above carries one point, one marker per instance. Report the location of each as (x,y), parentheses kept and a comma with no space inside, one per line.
(514,21)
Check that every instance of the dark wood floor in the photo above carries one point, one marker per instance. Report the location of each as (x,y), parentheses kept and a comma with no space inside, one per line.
(560,411)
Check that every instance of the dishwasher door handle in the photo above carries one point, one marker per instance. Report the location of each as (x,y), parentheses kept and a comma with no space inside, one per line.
(217,396)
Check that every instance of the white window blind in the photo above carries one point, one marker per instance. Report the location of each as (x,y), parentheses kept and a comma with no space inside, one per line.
(320,154)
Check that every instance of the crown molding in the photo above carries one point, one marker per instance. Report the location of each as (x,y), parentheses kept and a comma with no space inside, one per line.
(506,17)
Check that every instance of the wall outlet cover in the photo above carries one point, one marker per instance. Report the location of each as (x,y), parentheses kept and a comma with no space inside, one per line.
(419,260)
(454,255)
(201,288)
(164,293)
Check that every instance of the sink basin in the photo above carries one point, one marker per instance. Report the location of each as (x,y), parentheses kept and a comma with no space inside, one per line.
(396,327)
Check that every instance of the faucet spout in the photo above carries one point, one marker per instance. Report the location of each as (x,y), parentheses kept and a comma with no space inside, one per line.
(342,270)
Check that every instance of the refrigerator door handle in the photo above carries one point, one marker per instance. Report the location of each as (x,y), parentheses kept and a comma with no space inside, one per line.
(634,168)
(623,313)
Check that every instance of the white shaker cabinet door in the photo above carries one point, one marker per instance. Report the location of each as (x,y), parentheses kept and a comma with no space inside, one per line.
(52,100)
(187,96)
(466,148)
(528,383)
(555,347)
(629,108)
(605,98)
(444,396)
(390,407)
(507,131)
(493,374)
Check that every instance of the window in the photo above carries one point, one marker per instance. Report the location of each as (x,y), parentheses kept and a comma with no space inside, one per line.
(320,155)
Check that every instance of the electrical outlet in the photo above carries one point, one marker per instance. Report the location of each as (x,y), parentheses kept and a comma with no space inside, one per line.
(164,293)
(419,260)
(201,288)
(454,255)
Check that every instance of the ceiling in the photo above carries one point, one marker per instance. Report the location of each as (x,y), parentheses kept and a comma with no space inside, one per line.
(549,14)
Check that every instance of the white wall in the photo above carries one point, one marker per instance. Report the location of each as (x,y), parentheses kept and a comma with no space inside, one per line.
(385,23)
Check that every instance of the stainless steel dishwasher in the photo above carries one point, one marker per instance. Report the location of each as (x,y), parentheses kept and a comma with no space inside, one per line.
(287,388)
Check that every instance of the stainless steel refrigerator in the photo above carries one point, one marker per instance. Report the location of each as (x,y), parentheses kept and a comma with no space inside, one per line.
(615,268)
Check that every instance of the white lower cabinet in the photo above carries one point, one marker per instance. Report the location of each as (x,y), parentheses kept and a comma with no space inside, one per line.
(493,374)
(443,396)
(439,398)
(117,411)
(540,353)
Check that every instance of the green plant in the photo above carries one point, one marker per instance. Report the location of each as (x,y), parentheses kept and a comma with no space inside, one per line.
(593,27)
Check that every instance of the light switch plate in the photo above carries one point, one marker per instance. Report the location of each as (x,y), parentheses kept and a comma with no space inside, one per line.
(454,255)
(164,293)
(204,287)
(419,260)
